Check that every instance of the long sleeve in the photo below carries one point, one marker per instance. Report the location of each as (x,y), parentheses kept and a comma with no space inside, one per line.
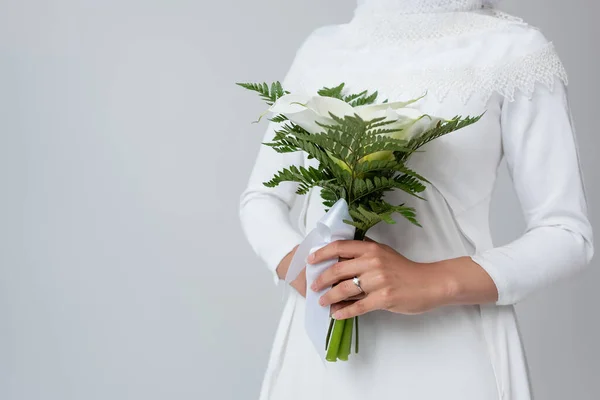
(265,212)
(541,151)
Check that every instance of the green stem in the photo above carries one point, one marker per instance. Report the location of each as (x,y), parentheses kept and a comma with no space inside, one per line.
(339,343)
(336,339)
(360,234)
(356,341)
(346,344)
(331,321)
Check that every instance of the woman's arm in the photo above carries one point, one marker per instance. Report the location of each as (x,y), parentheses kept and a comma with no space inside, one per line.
(265,212)
(394,283)
(542,157)
(300,282)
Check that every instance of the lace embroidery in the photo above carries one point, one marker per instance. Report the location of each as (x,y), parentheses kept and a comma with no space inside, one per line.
(400,39)
(543,66)
(414,29)
(421,6)
(505,16)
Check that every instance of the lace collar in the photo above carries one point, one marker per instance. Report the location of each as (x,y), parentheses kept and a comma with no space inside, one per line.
(419,6)
(414,53)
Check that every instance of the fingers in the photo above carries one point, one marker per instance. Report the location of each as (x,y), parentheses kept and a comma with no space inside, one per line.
(357,297)
(344,291)
(343,249)
(357,308)
(300,283)
(339,306)
(338,272)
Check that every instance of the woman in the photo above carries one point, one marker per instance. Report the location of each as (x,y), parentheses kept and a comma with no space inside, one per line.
(437,320)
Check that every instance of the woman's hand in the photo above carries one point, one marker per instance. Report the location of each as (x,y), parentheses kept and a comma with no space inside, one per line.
(394,283)
(300,282)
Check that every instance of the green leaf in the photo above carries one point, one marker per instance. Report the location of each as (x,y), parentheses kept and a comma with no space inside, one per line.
(269,94)
(307,178)
(364,100)
(358,160)
(278,119)
(335,92)
(352,97)
(441,129)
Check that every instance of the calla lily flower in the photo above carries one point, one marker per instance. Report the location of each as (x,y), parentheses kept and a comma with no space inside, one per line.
(309,111)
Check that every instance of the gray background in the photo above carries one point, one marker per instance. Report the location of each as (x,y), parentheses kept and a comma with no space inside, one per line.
(124,146)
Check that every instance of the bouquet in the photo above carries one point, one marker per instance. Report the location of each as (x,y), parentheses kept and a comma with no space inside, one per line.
(362,147)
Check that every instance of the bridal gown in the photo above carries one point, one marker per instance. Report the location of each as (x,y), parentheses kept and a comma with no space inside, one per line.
(469,59)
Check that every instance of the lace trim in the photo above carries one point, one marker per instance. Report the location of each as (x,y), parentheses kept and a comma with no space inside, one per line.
(421,6)
(409,30)
(505,16)
(409,35)
(543,67)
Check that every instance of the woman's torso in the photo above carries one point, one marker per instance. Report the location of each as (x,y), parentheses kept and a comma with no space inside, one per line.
(468,63)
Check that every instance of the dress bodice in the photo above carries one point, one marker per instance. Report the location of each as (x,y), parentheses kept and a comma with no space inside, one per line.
(468,61)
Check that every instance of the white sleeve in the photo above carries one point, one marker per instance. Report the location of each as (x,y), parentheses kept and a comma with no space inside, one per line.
(265,212)
(541,151)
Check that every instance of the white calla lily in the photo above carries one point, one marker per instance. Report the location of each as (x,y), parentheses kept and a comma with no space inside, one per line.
(310,111)
(372,111)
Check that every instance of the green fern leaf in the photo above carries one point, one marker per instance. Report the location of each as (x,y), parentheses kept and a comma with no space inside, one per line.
(269,94)
(335,92)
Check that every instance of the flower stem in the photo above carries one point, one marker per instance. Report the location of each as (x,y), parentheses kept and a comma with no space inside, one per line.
(360,234)
(339,338)
(346,344)
(331,321)
(356,341)
(336,339)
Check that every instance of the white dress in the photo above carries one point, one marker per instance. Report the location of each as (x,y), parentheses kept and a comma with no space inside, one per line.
(469,59)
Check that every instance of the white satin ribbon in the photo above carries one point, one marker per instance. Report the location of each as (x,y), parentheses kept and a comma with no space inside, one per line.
(330,227)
